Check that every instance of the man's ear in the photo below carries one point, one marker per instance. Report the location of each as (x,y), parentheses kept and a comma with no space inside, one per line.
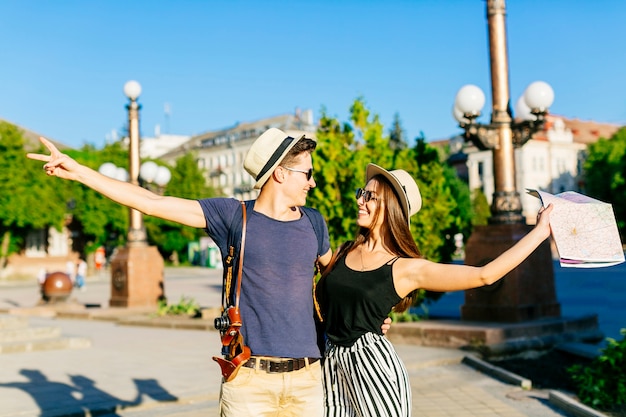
(279,174)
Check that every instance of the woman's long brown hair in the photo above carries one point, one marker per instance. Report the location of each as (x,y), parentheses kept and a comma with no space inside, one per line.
(395,233)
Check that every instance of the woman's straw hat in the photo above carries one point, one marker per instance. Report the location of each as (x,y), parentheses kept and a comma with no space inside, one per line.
(404,185)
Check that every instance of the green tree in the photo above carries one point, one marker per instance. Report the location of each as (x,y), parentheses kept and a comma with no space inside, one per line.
(605,174)
(188,181)
(440,216)
(343,151)
(397,134)
(29,199)
(342,154)
(481,212)
(102,221)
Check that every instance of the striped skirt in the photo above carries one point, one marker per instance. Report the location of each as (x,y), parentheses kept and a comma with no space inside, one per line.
(365,379)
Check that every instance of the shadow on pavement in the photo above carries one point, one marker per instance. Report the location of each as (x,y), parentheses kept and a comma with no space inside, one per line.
(82,395)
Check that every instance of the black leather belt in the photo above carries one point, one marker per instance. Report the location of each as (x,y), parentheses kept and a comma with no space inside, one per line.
(275,366)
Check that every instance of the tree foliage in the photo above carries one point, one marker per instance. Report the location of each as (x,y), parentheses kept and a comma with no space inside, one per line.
(481,212)
(187,181)
(29,199)
(343,152)
(605,174)
(397,134)
(101,221)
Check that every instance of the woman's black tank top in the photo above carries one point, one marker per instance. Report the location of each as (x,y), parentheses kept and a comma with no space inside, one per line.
(357,302)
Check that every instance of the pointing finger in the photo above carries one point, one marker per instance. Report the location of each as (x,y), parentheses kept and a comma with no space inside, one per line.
(38,157)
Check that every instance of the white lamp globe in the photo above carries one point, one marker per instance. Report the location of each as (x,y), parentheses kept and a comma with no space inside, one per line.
(108,169)
(121,174)
(539,95)
(459,116)
(470,99)
(148,171)
(163,176)
(522,110)
(132,89)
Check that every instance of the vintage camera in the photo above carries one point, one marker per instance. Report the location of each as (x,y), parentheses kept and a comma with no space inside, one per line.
(230,318)
(222,322)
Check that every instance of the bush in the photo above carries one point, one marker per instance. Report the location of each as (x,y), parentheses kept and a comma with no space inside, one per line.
(602,383)
(186,306)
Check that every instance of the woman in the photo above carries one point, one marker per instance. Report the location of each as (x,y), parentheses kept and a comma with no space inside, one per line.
(380,270)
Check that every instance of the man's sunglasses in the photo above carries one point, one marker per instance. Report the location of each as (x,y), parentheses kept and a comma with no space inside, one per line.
(367,195)
(308,173)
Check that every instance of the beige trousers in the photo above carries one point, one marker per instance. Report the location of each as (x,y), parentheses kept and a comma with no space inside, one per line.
(256,393)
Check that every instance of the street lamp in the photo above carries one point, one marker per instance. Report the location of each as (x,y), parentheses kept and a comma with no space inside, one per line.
(151,176)
(136,269)
(532,108)
(527,292)
(150,173)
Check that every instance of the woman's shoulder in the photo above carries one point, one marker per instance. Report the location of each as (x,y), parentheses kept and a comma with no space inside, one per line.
(405,266)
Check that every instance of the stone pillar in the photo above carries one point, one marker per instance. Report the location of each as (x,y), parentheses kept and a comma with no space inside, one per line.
(137,277)
(526,293)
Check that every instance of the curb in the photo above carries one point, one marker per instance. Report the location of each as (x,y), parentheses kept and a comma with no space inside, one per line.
(572,406)
(560,400)
(497,372)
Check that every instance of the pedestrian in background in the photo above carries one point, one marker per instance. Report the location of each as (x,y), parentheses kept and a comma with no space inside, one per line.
(70,270)
(81,274)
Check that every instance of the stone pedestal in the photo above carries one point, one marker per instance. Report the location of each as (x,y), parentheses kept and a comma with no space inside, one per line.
(526,293)
(498,339)
(136,277)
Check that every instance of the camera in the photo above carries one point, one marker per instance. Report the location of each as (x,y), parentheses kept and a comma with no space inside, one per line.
(228,321)
(222,322)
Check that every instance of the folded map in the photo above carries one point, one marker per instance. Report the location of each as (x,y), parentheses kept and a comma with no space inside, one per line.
(584,230)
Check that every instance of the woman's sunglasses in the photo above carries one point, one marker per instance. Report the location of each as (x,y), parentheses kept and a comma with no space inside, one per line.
(367,195)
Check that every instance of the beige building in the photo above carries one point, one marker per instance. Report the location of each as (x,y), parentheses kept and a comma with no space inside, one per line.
(221,153)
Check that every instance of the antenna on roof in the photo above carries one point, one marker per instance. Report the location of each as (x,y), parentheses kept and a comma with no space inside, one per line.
(167,110)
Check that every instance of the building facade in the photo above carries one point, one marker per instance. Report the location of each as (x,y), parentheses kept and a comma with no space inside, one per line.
(221,153)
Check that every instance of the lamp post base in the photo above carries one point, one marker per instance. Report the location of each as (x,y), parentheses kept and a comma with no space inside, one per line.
(526,293)
(136,277)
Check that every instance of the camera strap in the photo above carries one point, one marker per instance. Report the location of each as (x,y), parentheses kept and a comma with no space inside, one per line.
(235,352)
(243,246)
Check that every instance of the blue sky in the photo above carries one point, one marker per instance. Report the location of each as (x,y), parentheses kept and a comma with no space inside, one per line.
(64,63)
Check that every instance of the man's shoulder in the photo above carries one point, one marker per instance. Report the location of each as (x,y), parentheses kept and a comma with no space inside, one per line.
(311,210)
(314,216)
(219,202)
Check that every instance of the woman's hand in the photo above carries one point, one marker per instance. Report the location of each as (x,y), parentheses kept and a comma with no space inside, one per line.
(543,219)
(386,325)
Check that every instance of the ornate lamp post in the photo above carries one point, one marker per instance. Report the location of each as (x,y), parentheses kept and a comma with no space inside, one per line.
(528,292)
(137,269)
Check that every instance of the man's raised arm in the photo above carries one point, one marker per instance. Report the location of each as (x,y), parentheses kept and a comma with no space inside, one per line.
(180,210)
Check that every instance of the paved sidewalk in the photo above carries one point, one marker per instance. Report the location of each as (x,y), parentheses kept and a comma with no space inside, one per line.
(135,371)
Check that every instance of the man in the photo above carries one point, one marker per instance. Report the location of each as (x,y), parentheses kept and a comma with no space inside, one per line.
(280,251)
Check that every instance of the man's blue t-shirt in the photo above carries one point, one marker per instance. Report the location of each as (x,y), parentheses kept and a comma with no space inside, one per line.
(276,301)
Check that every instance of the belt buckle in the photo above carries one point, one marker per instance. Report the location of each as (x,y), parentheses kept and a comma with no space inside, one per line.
(280,367)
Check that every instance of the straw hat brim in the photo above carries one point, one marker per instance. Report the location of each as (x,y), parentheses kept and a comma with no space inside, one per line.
(404,185)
